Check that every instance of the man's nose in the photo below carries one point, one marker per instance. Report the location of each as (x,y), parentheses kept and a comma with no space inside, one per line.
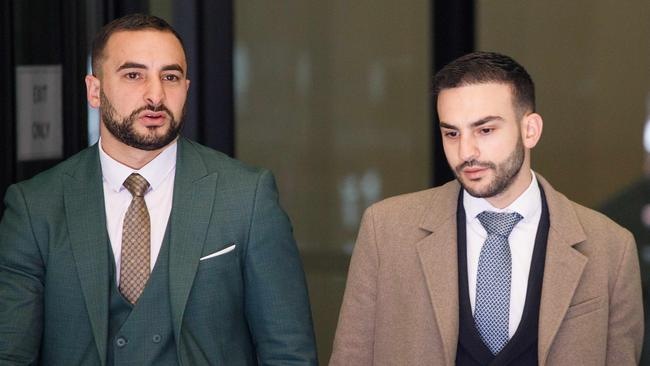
(154,93)
(468,150)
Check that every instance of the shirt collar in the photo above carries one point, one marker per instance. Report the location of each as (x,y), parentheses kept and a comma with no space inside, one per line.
(527,204)
(155,172)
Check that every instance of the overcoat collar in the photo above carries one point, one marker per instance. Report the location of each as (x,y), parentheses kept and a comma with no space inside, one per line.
(563,268)
(438,255)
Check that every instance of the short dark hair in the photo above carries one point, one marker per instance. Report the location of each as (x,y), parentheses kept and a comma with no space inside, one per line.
(131,22)
(489,67)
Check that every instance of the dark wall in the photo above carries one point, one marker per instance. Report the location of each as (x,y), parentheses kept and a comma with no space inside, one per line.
(7,102)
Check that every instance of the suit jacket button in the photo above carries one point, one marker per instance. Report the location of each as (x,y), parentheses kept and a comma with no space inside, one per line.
(121,342)
(156,338)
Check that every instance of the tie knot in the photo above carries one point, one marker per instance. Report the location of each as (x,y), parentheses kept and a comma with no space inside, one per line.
(499,223)
(136,184)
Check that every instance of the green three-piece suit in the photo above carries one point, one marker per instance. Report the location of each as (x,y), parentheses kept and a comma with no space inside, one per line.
(58,299)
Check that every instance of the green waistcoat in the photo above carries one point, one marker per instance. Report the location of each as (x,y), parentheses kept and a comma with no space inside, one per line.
(142,334)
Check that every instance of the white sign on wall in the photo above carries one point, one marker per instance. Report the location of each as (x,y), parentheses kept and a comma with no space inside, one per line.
(39,112)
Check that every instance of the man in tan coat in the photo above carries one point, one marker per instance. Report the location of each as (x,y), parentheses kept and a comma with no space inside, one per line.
(496,267)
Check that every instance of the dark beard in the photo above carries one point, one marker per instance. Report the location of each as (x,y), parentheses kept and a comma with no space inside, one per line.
(505,172)
(124,131)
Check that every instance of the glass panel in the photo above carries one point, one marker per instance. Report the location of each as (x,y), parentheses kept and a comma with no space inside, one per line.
(590,61)
(333,97)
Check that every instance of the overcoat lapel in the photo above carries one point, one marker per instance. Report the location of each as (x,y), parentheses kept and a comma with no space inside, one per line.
(194,192)
(438,254)
(86,219)
(563,268)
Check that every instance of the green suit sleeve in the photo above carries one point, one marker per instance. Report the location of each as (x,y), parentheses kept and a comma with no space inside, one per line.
(21,284)
(277,304)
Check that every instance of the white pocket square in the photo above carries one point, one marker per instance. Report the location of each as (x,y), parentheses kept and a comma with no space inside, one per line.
(222,251)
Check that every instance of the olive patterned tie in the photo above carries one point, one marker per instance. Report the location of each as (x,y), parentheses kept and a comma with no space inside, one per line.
(136,241)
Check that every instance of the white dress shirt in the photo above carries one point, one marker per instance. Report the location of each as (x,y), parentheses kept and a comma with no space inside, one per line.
(160,174)
(521,240)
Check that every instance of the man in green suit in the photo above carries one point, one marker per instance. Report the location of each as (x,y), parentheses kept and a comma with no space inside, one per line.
(148,248)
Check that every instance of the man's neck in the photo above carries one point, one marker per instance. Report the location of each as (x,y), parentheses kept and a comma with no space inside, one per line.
(516,189)
(130,156)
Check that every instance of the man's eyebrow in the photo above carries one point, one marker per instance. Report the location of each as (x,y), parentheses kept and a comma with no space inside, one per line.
(474,124)
(135,65)
(485,120)
(447,125)
(173,67)
(131,65)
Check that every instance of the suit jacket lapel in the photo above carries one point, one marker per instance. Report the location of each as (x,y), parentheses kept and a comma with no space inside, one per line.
(86,219)
(438,254)
(563,268)
(194,192)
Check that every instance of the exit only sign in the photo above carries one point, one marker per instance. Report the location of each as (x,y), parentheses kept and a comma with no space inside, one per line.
(39,112)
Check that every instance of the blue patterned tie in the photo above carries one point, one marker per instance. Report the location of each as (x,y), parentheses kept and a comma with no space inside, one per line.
(492,309)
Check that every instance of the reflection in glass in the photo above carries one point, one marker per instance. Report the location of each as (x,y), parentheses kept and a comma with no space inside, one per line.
(334,99)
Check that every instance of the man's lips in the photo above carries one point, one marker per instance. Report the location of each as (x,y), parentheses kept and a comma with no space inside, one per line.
(153,119)
(474,172)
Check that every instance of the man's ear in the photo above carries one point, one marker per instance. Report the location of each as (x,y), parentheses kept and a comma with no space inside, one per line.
(93,86)
(531,129)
